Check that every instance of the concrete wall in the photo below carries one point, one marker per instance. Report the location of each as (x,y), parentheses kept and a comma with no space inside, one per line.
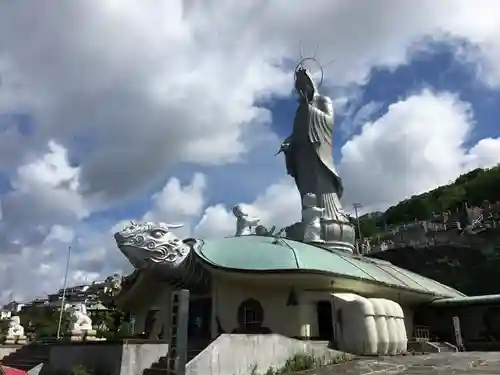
(227,297)
(409,313)
(471,322)
(136,358)
(108,358)
(247,351)
(301,320)
(5,350)
(440,322)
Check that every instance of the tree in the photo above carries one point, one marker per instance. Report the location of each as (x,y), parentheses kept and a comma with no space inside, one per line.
(473,187)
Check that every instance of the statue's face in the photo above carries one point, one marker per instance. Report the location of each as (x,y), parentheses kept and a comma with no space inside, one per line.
(304,83)
(146,244)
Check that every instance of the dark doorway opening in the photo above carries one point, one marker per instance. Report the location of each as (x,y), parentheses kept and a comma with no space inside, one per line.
(325,320)
(200,313)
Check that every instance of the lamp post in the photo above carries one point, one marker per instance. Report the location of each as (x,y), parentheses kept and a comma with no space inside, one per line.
(63,299)
(356,207)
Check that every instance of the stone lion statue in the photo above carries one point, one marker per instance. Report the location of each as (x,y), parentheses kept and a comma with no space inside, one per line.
(15,328)
(78,318)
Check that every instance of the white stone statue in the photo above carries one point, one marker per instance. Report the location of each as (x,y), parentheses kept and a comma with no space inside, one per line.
(244,223)
(79,320)
(15,332)
(311,218)
(15,327)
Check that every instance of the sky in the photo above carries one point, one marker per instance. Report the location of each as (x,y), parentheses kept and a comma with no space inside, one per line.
(118,110)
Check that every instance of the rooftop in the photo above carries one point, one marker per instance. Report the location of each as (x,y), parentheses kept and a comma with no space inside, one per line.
(261,254)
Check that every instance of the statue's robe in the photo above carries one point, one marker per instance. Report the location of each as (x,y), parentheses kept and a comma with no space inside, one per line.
(309,161)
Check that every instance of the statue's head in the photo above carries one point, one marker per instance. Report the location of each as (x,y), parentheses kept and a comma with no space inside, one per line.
(15,320)
(304,83)
(147,244)
(238,211)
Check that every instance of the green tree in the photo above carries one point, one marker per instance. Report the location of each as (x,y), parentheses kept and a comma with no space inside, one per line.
(473,187)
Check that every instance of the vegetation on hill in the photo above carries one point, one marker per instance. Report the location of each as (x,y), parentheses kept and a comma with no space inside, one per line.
(471,270)
(473,187)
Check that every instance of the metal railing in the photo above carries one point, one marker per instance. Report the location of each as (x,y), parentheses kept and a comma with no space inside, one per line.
(421,333)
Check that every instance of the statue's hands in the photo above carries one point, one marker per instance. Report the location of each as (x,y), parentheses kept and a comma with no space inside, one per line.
(285,146)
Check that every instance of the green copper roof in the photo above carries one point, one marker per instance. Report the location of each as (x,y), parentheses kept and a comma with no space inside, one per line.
(257,253)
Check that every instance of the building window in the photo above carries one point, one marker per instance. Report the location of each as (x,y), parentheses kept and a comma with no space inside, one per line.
(251,317)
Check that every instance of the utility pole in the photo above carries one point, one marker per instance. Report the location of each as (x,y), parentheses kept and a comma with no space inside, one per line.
(356,207)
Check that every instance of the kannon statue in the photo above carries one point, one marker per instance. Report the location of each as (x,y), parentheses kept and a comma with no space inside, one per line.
(308,155)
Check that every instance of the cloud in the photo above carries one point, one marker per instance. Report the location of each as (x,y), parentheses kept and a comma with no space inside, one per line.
(419,144)
(44,194)
(147,86)
(60,234)
(177,200)
(130,89)
(279,205)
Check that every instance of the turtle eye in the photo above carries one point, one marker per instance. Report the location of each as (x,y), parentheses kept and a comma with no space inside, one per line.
(158,233)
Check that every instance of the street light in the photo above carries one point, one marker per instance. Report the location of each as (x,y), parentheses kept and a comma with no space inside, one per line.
(356,207)
(63,299)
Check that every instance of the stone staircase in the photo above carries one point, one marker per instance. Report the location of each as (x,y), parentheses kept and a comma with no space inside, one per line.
(28,356)
(161,366)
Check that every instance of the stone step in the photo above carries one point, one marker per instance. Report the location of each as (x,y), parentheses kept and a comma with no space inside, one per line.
(161,364)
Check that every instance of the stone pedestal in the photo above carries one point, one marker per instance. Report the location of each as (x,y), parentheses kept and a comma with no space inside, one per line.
(15,340)
(78,335)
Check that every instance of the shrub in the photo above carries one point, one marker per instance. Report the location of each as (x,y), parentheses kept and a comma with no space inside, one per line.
(302,362)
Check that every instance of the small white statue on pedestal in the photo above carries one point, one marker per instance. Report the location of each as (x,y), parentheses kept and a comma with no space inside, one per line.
(80,327)
(15,333)
(244,224)
(311,218)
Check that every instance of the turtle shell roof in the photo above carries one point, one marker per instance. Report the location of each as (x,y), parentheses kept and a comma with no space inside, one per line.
(266,254)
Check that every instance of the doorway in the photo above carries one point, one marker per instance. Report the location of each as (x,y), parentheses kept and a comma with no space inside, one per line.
(200,313)
(325,320)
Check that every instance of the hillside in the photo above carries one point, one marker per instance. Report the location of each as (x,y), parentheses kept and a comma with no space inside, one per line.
(474,187)
(468,263)
(472,270)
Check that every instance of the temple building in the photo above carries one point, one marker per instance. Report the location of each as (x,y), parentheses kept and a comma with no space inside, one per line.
(305,281)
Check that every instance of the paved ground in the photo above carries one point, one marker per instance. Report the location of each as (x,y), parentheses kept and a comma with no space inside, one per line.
(483,363)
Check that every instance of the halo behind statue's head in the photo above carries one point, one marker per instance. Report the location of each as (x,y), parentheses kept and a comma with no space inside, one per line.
(300,66)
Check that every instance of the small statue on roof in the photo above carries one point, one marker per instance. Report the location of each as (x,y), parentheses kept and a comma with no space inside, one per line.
(244,223)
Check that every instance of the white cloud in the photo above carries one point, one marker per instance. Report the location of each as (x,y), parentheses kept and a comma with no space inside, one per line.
(279,205)
(419,144)
(151,85)
(175,199)
(61,234)
(44,193)
(484,154)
